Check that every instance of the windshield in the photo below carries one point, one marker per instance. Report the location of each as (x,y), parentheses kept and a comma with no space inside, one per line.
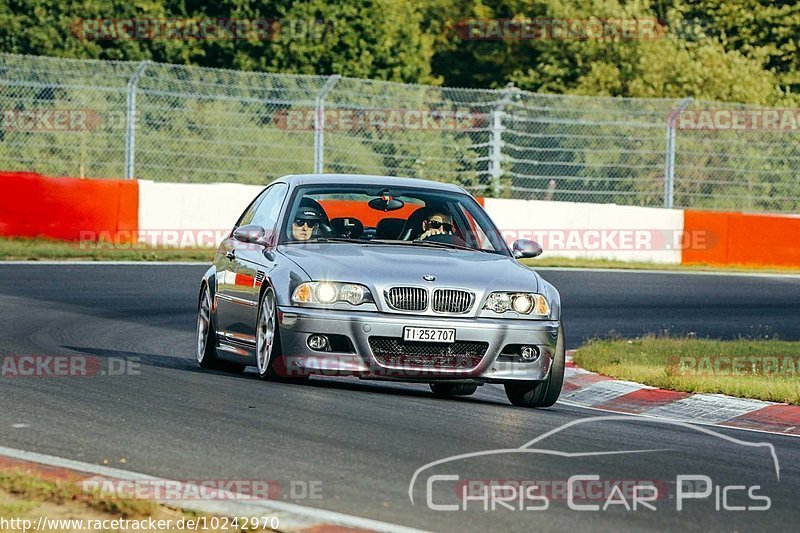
(414,217)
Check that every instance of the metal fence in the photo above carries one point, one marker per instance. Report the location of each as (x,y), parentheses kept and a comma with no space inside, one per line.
(191,124)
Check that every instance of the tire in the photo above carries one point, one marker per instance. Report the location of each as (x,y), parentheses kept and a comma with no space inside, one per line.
(442,390)
(541,393)
(268,342)
(206,349)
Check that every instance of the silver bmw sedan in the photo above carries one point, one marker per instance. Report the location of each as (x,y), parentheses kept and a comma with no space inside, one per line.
(381,278)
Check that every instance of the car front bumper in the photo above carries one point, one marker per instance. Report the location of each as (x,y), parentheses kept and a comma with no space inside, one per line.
(298,323)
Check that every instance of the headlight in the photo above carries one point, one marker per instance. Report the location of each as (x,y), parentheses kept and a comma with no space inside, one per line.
(524,303)
(354,294)
(328,292)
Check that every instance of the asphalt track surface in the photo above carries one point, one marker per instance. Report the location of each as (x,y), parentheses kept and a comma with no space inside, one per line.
(363,441)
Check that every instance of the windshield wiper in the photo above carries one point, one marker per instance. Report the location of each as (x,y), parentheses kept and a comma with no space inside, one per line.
(433,244)
(438,244)
(328,239)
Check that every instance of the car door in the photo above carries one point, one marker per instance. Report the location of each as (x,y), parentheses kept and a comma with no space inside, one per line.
(225,266)
(250,266)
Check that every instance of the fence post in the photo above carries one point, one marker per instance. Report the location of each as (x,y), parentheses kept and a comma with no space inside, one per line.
(496,143)
(319,123)
(669,170)
(496,154)
(130,119)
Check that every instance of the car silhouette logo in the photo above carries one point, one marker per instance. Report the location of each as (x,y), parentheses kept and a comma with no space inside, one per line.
(428,277)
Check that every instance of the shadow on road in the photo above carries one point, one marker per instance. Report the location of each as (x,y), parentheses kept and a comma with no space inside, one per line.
(400,389)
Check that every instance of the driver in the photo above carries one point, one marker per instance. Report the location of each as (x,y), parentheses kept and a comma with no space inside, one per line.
(436,223)
(305,222)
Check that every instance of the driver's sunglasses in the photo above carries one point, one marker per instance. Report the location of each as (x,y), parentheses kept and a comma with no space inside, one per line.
(435,224)
(299,222)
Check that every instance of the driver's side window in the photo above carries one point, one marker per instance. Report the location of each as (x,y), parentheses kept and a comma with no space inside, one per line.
(264,210)
(248,214)
(269,209)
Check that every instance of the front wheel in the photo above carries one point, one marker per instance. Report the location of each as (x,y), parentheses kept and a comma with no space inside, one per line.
(268,342)
(541,393)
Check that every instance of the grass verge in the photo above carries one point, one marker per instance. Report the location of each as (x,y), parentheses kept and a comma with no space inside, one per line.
(24,495)
(18,249)
(28,490)
(747,368)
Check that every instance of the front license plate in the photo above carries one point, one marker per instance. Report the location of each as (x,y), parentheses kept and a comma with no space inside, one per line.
(429,334)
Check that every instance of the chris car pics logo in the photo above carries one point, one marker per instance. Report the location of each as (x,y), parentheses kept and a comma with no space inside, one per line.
(447,490)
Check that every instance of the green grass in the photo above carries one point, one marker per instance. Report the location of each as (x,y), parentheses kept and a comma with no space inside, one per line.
(15,508)
(19,249)
(657,361)
(26,493)
(31,488)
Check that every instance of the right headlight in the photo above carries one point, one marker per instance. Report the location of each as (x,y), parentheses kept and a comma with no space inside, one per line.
(524,303)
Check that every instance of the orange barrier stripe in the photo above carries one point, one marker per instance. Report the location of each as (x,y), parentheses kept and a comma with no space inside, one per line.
(368,216)
(32,205)
(743,239)
(360,210)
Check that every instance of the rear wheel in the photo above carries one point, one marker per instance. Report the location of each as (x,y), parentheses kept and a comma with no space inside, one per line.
(541,393)
(442,390)
(207,338)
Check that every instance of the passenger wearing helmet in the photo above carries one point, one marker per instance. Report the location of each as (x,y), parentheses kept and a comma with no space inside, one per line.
(306,221)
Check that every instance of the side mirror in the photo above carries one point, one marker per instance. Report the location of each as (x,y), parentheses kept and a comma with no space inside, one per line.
(251,234)
(526,248)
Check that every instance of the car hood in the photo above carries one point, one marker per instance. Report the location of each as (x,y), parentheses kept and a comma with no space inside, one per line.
(376,264)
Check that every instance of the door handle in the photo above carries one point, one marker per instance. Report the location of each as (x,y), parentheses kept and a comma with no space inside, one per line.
(230,254)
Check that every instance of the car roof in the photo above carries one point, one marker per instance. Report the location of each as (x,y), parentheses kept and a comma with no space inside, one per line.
(364,179)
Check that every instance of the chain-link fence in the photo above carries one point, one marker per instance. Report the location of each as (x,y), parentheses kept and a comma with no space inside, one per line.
(190,124)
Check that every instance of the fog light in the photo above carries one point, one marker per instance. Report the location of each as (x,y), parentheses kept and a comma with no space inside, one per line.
(318,342)
(529,353)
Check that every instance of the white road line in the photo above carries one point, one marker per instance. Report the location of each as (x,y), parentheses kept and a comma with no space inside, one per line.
(292,516)
(118,263)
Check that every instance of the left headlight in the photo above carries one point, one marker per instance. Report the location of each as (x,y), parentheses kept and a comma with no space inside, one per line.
(329,292)
(524,303)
